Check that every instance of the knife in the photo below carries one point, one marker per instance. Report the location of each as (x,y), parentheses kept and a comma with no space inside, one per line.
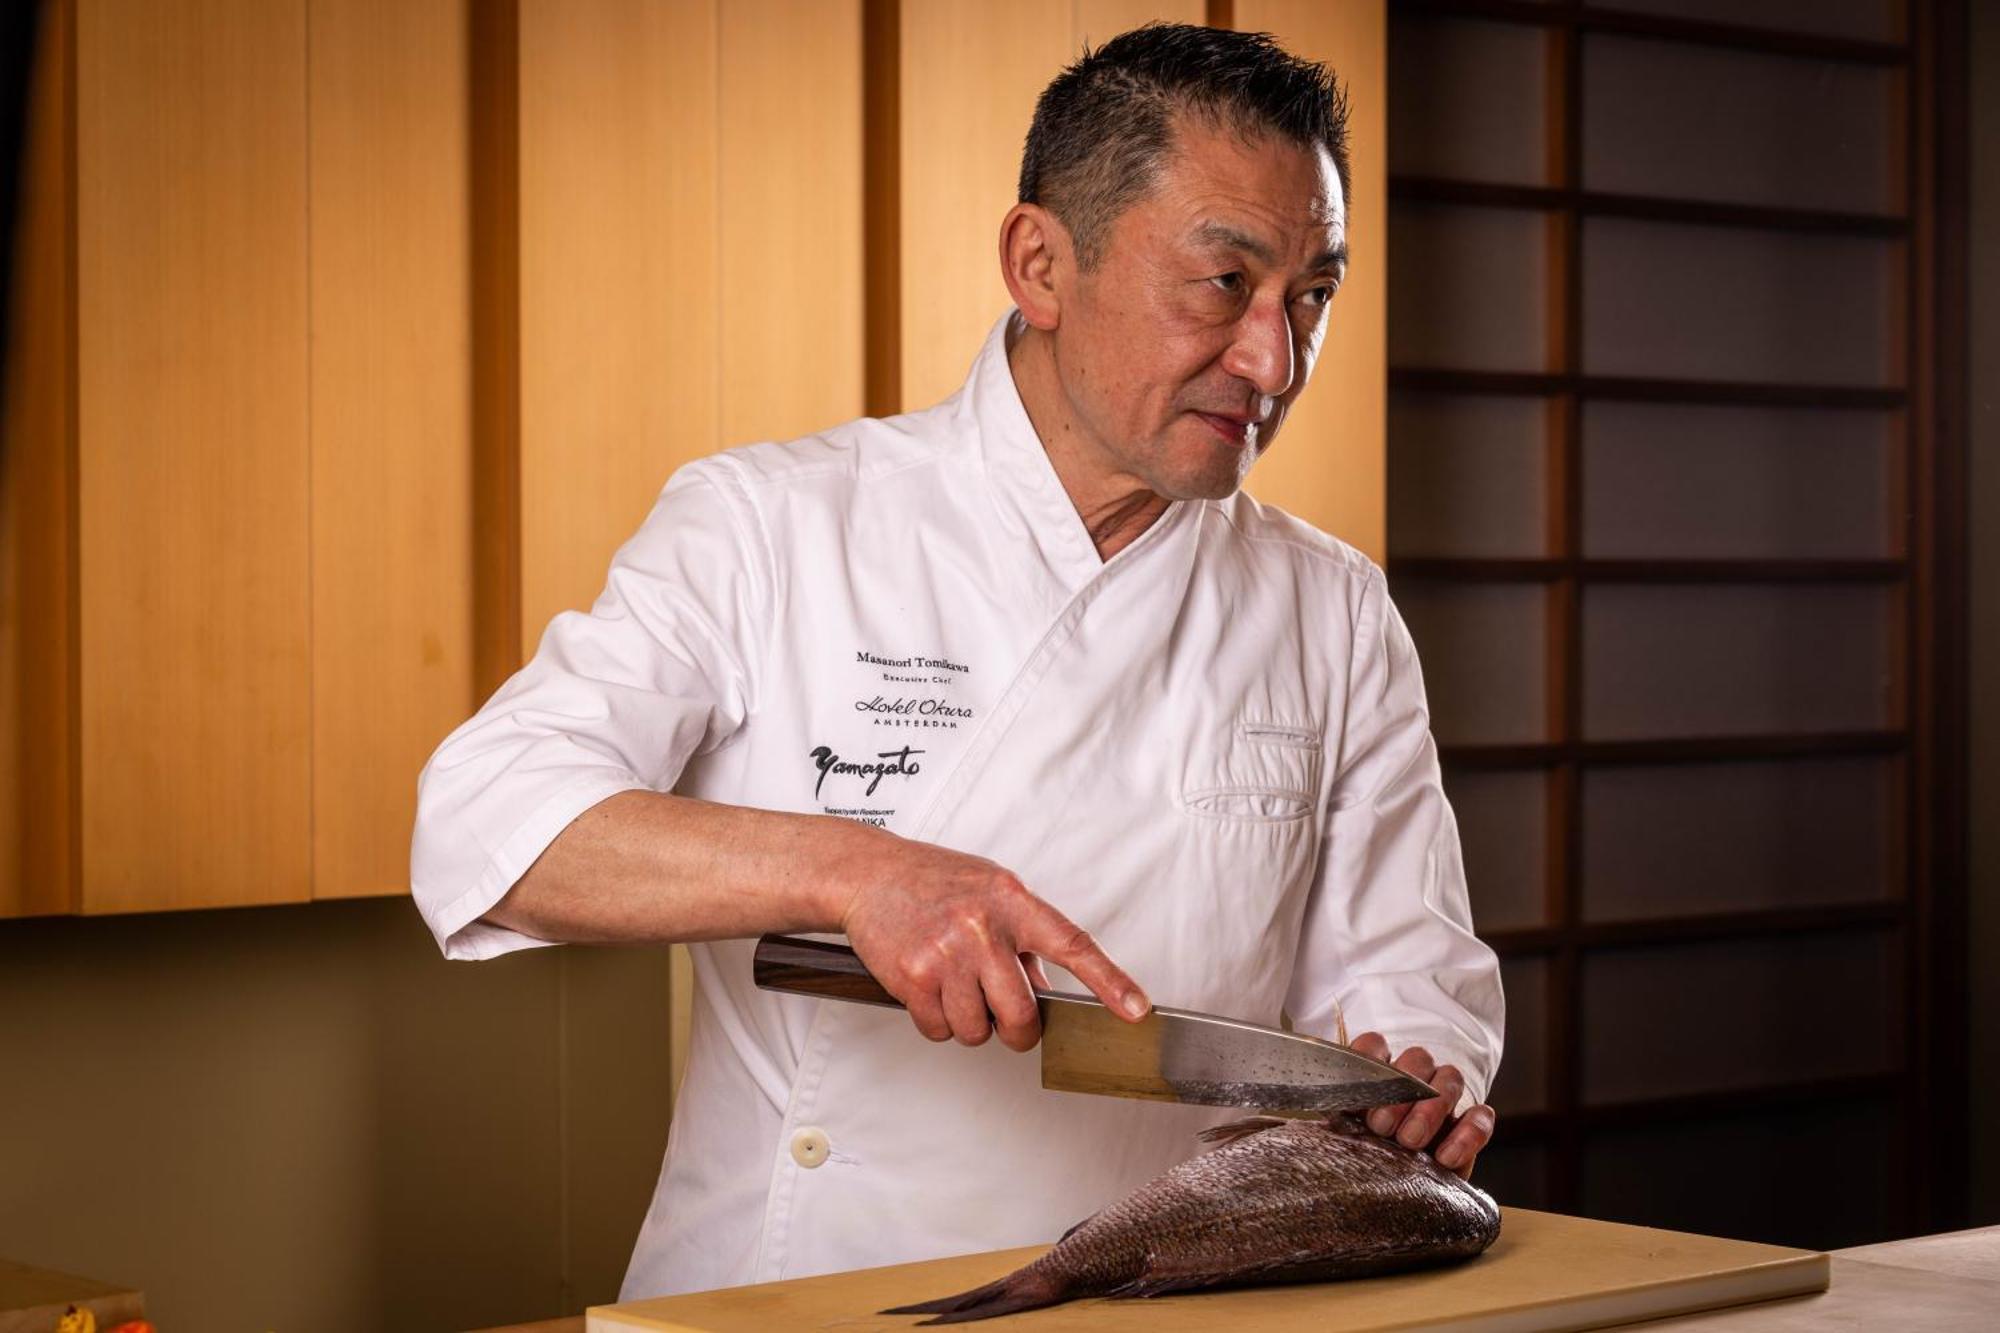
(1170,1055)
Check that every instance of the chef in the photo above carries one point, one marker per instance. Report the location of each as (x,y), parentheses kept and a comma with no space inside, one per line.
(1019,688)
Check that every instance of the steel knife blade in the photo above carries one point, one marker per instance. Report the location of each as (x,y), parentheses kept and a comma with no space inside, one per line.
(1171,1055)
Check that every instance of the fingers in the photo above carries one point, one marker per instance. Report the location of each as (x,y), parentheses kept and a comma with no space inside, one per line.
(921,985)
(1373,1045)
(1416,1124)
(1416,1062)
(1016,1017)
(965,1009)
(927,1012)
(1426,1118)
(1038,977)
(1472,1132)
(1060,940)
(955,940)
(1383,1119)
(968,1008)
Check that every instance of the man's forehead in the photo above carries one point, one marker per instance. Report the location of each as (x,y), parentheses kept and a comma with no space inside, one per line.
(1330,236)
(1225,202)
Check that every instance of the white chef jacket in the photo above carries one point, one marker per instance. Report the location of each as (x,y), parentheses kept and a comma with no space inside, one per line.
(1212,751)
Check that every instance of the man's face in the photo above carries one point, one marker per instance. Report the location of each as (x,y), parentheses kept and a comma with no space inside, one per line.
(1182,352)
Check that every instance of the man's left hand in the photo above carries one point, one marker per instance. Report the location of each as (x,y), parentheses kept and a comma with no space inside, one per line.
(1454,1142)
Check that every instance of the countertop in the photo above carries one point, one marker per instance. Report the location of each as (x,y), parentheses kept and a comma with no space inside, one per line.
(1947,1282)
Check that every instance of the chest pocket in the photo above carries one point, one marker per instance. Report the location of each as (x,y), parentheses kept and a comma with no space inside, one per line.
(1267,772)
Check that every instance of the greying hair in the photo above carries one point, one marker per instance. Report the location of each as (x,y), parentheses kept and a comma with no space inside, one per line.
(1103,126)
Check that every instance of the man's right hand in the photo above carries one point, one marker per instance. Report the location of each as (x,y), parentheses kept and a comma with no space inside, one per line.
(951,936)
(956,938)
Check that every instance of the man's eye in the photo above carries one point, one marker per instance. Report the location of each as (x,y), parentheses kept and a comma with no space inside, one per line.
(1228,282)
(1320,297)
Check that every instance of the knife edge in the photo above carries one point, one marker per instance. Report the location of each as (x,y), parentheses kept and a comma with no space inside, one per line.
(1171,1055)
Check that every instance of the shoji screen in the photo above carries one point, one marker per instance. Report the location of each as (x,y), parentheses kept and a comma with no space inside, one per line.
(1654,447)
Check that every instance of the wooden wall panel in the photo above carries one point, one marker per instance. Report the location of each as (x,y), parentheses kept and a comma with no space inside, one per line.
(192,453)
(37,765)
(970,73)
(493,40)
(391,423)
(790,308)
(971,70)
(1098,21)
(1328,466)
(618,289)
(685,262)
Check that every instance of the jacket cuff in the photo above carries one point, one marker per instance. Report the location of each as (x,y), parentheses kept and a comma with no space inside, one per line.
(460,931)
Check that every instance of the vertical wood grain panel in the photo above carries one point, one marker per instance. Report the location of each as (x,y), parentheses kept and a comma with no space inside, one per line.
(1329,465)
(971,70)
(882,204)
(192,453)
(970,73)
(618,207)
(1098,21)
(790,305)
(494,183)
(391,423)
(37,764)
(623,272)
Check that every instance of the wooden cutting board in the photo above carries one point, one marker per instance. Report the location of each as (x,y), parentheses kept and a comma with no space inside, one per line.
(1546,1272)
(33,1299)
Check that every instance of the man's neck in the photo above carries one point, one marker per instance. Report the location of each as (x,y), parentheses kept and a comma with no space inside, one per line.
(1115,506)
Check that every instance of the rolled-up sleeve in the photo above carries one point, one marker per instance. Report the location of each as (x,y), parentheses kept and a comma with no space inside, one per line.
(618,699)
(1387,942)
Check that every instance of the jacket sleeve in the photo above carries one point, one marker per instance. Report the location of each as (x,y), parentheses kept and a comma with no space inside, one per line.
(1387,942)
(618,699)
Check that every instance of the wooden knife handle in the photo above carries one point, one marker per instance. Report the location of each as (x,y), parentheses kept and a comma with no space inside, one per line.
(810,967)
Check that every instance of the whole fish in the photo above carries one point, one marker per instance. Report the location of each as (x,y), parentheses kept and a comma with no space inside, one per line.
(1280,1201)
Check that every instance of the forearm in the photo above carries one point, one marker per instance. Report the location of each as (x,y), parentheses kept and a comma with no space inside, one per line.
(642,867)
(946,933)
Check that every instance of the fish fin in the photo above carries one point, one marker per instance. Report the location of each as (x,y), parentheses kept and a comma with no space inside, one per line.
(1163,1281)
(1163,1284)
(1240,1129)
(1023,1289)
(1074,1229)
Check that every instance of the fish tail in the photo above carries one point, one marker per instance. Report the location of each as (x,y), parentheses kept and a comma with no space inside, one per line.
(1022,1290)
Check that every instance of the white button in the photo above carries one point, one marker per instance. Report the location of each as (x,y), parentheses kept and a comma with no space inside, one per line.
(809,1146)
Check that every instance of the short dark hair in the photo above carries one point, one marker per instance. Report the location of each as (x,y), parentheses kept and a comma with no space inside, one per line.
(1104,124)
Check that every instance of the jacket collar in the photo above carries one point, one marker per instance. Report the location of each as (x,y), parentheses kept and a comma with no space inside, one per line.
(1025,488)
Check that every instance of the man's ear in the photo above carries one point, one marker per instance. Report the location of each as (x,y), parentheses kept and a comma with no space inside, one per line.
(1035,252)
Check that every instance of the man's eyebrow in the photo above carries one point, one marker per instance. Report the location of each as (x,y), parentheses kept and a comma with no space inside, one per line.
(1222,234)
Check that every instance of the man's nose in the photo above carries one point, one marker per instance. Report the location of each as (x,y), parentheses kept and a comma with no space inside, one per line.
(1262,350)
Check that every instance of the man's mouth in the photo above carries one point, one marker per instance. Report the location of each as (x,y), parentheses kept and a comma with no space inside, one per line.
(1236,430)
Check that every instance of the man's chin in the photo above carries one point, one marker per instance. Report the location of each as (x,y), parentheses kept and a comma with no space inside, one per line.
(1227,481)
(1214,475)
(1215,487)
